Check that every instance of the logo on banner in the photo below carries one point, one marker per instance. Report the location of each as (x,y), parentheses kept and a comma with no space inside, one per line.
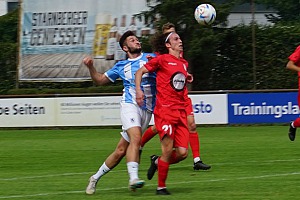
(202,107)
(265,109)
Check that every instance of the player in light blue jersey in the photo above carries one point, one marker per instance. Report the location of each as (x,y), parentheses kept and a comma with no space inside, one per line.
(126,70)
(135,119)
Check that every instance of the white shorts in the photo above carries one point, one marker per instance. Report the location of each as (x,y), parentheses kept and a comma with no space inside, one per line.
(132,115)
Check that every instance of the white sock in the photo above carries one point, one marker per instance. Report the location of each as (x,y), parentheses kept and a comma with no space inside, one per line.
(196,159)
(101,172)
(133,168)
(292,124)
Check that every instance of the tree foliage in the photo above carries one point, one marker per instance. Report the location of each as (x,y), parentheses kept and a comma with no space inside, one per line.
(8,50)
(234,60)
(199,41)
(288,11)
(222,58)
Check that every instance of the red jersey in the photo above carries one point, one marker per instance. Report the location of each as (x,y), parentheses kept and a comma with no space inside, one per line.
(171,73)
(295,57)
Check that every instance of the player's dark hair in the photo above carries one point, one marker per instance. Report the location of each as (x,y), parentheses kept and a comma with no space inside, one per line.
(158,43)
(124,37)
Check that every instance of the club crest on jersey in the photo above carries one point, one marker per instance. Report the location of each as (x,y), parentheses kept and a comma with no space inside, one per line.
(178,81)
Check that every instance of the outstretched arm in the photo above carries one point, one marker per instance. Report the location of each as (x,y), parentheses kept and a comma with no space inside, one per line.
(98,78)
(138,79)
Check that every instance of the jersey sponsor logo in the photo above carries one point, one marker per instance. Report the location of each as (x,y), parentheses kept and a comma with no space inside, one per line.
(170,63)
(178,81)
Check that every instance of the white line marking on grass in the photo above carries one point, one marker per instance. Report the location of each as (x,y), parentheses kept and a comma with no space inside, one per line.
(238,178)
(174,167)
(184,182)
(43,176)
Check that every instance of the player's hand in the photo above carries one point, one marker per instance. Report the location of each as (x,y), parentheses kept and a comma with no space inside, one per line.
(149,57)
(139,97)
(189,78)
(88,61)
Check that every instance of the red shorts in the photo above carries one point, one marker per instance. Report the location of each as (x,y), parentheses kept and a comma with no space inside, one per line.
(174,124)
(189,107)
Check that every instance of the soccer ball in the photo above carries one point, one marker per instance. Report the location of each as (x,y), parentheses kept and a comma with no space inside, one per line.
(205,14)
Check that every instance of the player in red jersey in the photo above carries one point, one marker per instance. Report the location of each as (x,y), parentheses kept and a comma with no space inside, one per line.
(170,115)
(194,138)
(294,65)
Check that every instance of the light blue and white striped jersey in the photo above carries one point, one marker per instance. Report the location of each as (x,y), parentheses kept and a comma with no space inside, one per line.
(126,69)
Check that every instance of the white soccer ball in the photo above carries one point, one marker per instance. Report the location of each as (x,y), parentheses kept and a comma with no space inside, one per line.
(205,14)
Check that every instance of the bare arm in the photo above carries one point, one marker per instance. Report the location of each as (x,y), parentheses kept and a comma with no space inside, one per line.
(98,78)
(291,66)
(189,78)
(138,79)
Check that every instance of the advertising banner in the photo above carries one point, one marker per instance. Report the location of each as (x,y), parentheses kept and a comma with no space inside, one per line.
(88,111)
(66,111)
(93,111)
(210,108)
(27,112)
(243,108)
(262,107)
(55,35)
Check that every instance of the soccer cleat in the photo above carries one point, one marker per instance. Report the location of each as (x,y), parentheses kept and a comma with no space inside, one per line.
(136,183)
(163,192)
(292,132)
(91,188)
(200,165)
(153,167)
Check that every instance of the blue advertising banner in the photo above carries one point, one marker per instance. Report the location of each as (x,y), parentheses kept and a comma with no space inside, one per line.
(262,107)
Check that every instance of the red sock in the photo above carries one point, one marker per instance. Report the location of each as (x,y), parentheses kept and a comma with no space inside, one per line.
(162,171)
(195,144)
(297,122)
(173,159)
(148,135)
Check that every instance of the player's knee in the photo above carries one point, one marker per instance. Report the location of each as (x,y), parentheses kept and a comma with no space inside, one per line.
(154,130)
(182,153)
(135,141)
(120,152)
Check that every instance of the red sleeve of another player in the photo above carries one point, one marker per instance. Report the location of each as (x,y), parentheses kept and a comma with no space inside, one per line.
(295,56)
(152,64)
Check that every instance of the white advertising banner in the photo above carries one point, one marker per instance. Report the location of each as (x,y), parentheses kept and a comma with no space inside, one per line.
(88,111)
(210,108)
(55,36)
(94,111)
(27,112)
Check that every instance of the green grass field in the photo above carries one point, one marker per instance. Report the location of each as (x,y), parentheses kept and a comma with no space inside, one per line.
(249,162)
